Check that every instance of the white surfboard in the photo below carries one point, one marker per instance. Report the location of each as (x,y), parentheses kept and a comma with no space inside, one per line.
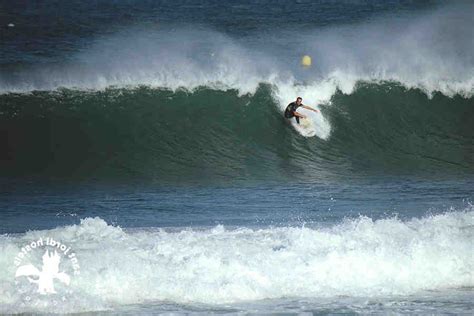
(307,127)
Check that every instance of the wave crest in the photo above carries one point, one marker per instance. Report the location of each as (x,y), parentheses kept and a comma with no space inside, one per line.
(429,51)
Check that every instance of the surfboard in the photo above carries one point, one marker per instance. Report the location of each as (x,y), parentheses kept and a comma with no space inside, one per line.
(307,127)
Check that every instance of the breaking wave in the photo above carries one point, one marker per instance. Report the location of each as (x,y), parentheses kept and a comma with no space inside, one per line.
(396,95)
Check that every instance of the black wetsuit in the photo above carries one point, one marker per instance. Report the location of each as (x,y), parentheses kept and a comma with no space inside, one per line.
(290,111)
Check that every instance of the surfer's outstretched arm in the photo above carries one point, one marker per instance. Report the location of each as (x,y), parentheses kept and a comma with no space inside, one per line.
(309,108)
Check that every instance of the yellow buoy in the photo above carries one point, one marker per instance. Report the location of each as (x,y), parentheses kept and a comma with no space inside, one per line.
(306,61)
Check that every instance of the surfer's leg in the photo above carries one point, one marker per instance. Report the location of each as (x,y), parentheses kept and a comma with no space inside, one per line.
(297,118)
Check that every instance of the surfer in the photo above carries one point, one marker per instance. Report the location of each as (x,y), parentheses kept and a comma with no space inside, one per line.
(291,110)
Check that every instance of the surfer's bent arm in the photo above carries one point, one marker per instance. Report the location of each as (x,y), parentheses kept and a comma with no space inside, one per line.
(309,108)
(298,114)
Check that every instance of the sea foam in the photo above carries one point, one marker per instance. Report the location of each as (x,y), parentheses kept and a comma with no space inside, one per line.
(355,258)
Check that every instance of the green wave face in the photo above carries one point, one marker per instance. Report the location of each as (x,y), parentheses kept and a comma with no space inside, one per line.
(213,135)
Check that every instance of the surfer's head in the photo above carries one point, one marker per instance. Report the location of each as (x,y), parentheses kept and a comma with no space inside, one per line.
(299,100)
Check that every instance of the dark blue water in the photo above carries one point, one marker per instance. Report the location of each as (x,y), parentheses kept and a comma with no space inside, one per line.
(148,137)
(255,205)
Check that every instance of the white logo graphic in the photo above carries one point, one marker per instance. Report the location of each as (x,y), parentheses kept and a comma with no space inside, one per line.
(46,276)
(52,269)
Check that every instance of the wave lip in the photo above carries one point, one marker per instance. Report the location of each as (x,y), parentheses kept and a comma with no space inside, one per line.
(356,258)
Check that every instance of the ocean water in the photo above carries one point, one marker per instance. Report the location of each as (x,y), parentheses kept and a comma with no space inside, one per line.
(146,138)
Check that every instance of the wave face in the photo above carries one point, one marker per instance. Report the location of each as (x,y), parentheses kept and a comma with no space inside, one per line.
(388,257)
(164,134)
